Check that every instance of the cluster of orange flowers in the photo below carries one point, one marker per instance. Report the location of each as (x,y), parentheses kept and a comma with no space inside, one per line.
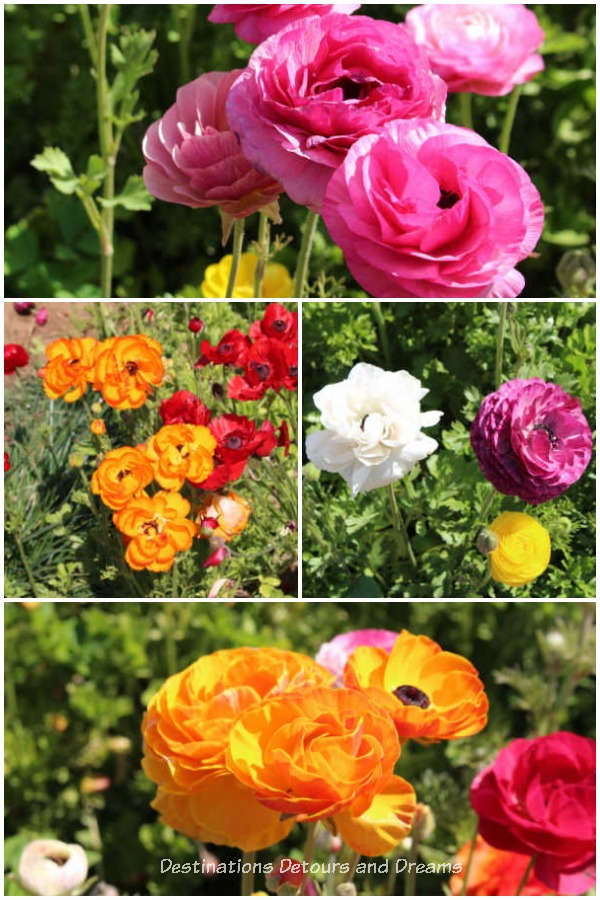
(244,743)
(124,369)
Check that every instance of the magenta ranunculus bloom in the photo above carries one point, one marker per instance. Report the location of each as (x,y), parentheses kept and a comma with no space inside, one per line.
(479,47)
(195,159)
(254,22)
(426,209)
(310,91)
(334,654)
(539,797)
(531,439)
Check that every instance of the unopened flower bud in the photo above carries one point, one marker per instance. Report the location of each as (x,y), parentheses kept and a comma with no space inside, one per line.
(50,868)
(486,541)
(195,324)
(423,823)
(345,889)
(119,744)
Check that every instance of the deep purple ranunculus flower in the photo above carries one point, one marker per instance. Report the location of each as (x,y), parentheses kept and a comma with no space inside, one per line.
(531,439)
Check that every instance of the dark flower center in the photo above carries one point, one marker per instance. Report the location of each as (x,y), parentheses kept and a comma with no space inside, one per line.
(225,348)
(73,362)
(293,371)
(410,695)
(149,527)
(262,370)
(233,442)
(121,475)
(447,199)
(554,441)
(279,325)
(131,367)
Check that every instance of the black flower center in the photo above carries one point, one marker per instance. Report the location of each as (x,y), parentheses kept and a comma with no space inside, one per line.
(262,370)
(225,348)
(121,475)
(279,325)
(410,695)
(447,199)
(233,442)
(293,371)
(149,527)
(131,367)
(554,441)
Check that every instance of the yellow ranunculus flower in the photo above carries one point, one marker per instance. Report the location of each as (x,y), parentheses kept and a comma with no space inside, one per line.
(524,549)
(276,282)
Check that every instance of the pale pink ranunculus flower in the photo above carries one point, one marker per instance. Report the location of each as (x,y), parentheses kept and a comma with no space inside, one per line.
(193,157)
(314,88)
(479,47)
(334,654)
(426,209)
(254,22)
(49,868)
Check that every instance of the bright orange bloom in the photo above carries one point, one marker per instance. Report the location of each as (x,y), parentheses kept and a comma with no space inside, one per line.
(230,511)
(495,873)
(157,529)
(69,368)
(430,693)
(186,729)
(178,452)
(127,369)
(97,426)
(122,475)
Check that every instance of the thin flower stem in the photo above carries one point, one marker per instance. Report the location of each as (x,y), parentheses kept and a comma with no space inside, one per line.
(354,861)
(400,531)
(88,29)
(248,857)
(526,875)
(187,12)
(107,149)
(264,238)
(509,118)
(310,226)
(466,110)
(309,852)
(467,869)
(238,243)
(410,879)
(500,343)
(392,876)
(380,321)
(487,503)
(26,565)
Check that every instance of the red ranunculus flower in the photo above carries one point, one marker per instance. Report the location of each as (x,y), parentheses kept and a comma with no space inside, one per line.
(277,323)
(236,437)
(232,350)
(183,407)
(265,368)
(15,356)
(283,438)
(195,324)
(290,358)
(267,439)
(222,474)
(539,798)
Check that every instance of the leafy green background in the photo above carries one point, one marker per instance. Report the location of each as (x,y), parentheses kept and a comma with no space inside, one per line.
(348,545)
(78,675)
(50,511)
(51,250)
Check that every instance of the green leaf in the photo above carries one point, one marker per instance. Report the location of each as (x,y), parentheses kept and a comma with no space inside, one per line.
(134,195)
(567,237)
(365,587)
(133,58)
(94,176)
(57,165)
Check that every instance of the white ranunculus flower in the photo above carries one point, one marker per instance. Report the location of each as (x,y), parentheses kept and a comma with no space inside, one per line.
(373,423)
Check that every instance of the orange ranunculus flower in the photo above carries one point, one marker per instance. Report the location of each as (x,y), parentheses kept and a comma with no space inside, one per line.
(386,822)
(181,451)
(122,475)
(186,729)
(69,368)
(97,426)
(157,529)
(230,511)
(127,369)
(430,693)
(314,753)
(495,873)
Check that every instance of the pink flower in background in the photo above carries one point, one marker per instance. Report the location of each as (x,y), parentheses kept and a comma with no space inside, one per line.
(334,653)
(426,209)
(310,91)
(479,47)
(24,307)
(531,439)
(216,557)
(41,317)
(195,159)
(539,797)
(254,22)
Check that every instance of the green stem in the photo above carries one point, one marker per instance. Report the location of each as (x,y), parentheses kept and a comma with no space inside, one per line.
(309,852)
(491,494)
(238,243)
(310,226)
(380,321)
(500,344)
(392,876)
(107,150)
(248,877)
(188,14)
(526,874)
(26,565)
(88,30)
(354,861)
(509,118)
(410,879)
(264,236)
(467,871)
(400,531)
(466,110)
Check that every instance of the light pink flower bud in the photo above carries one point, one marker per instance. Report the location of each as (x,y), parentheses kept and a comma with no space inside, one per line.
(50,868)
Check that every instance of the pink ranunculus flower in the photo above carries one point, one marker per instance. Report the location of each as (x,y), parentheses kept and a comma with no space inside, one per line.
(531,439)
(481,48)
(195,159)
(254,22)
(310,91)
(334,654)
(539,797)
(426,209)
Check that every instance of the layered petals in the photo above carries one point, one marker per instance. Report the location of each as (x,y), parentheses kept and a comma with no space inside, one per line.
(70,367)
(127,369)
(384,824)
(180,452)
(122,475)
(155,529)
